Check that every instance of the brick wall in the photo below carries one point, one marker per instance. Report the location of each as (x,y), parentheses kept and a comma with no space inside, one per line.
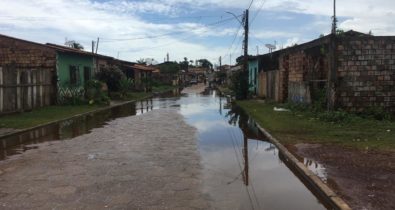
(283,78)
(24,54)
(306,67)
(366,73)
(27,72)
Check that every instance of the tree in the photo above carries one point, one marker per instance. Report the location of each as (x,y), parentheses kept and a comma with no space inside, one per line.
(75,45)
(205,63)
(169,68)
(141,61)
(184,64)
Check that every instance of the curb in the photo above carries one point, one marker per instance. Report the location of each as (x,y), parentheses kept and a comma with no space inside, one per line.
(329,196)
(77,116)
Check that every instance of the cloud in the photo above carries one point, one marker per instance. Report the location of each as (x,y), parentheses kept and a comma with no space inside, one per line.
(85,20)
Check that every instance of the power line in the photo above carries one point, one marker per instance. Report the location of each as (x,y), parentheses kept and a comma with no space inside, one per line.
(167,34)
(187,37)
(260,8)
(250,4)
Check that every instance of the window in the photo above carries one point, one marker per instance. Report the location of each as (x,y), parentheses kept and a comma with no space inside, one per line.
(73,75)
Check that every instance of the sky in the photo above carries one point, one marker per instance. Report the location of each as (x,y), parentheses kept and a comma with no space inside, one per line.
(196,29)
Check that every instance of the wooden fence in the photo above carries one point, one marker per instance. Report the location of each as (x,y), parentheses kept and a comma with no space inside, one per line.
(23,90)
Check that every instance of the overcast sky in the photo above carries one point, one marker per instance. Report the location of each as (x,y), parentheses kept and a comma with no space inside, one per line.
(187,28)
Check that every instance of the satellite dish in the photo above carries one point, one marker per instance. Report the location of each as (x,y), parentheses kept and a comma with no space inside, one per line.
(271,47)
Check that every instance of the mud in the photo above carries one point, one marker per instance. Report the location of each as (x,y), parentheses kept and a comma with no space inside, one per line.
(364,179)
(148,161)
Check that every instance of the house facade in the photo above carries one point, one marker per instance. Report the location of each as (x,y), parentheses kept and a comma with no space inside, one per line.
(27,75)
(363,76)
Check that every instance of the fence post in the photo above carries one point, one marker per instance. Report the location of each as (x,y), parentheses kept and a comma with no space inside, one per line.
(18,90)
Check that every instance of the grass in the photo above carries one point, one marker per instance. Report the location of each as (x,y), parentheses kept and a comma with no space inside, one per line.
(162,88)
(43,115)
(53,113)
(304,127)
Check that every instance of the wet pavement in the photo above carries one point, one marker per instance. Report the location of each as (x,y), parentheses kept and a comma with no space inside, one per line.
(179,151)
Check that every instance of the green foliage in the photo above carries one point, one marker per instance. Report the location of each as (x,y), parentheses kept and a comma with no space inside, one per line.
(94,93)
(375,112)
(335,116)
(111,76)
(125,85)
(205,63)
(239,84)
(339,31)
(169,68)
(304,127)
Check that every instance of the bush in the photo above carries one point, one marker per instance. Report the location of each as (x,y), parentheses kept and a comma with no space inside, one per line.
(94,93)
(125,85)
(111,76)
(377,113)
(335,116)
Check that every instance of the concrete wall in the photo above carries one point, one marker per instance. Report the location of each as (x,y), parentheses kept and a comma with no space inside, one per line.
(366,73)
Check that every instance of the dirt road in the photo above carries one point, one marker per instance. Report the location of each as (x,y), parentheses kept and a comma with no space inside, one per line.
(148,161)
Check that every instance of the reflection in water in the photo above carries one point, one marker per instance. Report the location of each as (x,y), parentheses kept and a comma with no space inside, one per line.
(316,168)
(241,170)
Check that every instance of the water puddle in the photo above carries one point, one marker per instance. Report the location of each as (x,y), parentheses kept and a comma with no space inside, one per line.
(240,168)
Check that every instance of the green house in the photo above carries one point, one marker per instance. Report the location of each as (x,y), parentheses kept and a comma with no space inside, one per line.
(74,67)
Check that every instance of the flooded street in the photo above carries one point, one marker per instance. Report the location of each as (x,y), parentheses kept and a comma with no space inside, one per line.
(179,151)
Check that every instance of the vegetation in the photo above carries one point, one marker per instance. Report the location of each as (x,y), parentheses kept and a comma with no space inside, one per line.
(169,68)
(111,76)
(125,86)
(301,125)
(239,84)
(205,63)
(43,115)
(94,93)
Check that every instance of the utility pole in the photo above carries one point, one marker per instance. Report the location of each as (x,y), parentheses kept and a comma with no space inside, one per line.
(220,62)
(243,82)
(331,87)
(334,18)
(257,50)
(93,46)
(97,44)
(244,79)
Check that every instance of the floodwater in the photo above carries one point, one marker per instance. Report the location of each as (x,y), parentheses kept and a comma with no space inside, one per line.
(240,168)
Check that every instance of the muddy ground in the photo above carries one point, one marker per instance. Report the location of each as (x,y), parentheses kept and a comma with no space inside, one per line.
(148,161)
(364,179)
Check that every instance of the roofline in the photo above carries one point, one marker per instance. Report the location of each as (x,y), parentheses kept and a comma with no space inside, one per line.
(27,41)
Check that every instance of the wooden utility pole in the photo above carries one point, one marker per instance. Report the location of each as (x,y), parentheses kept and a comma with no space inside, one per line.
(245,40)
(220,62)
(244,82)
(331,87)
(97,44)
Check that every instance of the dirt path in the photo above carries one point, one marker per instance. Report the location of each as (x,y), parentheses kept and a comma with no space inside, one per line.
(198,88)
(365,179)
(148,161)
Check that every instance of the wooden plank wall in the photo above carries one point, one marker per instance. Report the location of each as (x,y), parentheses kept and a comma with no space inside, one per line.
(23,90)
